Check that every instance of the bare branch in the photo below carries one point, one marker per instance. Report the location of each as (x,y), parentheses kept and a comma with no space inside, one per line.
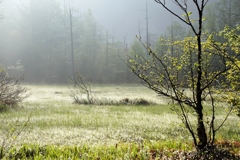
(184,9)
(80,88)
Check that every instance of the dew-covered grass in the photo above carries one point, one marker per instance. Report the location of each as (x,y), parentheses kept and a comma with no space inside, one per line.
(56,120)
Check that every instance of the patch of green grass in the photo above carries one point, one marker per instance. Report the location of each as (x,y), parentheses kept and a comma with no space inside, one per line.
(143,150)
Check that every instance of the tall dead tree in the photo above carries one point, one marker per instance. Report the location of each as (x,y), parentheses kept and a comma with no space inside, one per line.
(107,56)
(72,52)
(147,26)
(94,49)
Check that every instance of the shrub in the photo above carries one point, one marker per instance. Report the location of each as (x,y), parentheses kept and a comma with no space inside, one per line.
(11,91)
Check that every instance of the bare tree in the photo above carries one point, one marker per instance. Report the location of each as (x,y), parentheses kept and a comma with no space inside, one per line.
(72,49)
(80,89)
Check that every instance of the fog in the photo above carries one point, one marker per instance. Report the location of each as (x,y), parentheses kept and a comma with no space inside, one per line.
(35,36)
(121,18)
(124,17)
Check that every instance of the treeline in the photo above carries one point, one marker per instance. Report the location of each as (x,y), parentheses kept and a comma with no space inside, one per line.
(37,42)
(222,13)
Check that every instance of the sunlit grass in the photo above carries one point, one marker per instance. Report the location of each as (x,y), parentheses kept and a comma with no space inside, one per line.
(56,120)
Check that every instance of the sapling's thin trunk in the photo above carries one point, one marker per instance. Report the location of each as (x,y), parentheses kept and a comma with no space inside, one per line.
(201,131)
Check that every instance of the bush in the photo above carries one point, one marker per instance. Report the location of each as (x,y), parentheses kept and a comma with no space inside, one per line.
(11,91)
(138,102)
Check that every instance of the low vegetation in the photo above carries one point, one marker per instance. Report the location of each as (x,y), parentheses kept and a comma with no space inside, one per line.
(82,93)
(59,128)
(11,90)
(146,150)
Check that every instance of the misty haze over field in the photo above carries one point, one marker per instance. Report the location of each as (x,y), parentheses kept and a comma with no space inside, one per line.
(121,17)
(36,36)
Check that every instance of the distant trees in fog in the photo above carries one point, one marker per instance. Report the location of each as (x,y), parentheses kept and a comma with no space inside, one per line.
(222,13)
(41,39)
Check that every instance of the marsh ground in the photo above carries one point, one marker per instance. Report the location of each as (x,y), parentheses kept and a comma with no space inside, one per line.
(56,120)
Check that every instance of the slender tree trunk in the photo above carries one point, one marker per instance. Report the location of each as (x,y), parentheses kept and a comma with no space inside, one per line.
(147,32)
(107,65)
(94,53)
(72,54)
(201,131)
